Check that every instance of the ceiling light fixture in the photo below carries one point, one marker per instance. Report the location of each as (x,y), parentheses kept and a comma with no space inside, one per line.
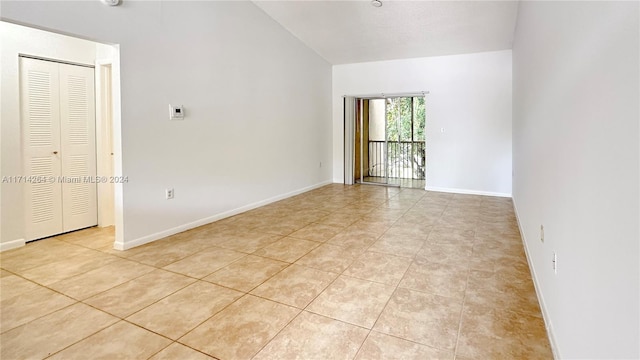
(376,3)
(111,2)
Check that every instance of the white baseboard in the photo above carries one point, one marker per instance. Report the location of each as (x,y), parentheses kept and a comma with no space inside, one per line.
(536,285)
(12,244)
(465,191)
(178,229)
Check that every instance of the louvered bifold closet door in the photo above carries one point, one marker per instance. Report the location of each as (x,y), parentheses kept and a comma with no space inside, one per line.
(41,147)
(77,128)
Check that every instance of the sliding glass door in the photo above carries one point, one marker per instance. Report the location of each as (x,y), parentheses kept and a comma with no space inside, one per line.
(375,143)
(405,129)
(388,141)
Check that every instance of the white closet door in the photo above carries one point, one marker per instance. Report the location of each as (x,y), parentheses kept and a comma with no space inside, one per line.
(78,135)
(41,149)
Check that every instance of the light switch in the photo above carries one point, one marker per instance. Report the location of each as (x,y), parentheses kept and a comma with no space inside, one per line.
(176,112)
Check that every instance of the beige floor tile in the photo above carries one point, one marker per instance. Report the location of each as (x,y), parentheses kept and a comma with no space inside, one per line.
(353,237)
(317,232)
(421,317)
(451,254)
(342,220)
(178,351)
(498,247)
(182,311)
(514,266)
(308,215)
(354,301)
(296,285)
(492,333)
(398,245)
(378,227)
(54,332)
(481,264)
(127,254)
(250,242)
(205,262)
(380,346)
(39,253)
(287,249)
(139,293)
(283,227)
(119,341)
(507,292)
(414,228)
(505,229)
(68,266)
(329,257)
(240,330)
(78,235)
(382,268)
(439,279)
(354,209)
(30,305)
(462,213)
(390,216)
(204,239)
(163,252)
(368,234)
(94,238)
(101,279)
(513,300)
(13,285)
(449,235)
(246,273)
(310,336)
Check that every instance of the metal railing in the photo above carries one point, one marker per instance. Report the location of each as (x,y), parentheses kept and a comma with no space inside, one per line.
(405,159)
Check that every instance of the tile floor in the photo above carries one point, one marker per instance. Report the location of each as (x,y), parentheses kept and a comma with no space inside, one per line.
(341,272)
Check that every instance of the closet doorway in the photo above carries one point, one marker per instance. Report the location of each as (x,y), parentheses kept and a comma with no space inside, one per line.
(59,146)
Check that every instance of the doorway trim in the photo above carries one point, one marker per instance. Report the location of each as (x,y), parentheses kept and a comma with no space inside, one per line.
(104,141)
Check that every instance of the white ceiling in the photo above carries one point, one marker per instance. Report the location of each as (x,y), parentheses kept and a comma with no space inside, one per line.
(354,31)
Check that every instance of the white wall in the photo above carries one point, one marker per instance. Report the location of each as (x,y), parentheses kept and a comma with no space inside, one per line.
(15,40)
(256,100)
(470,96)
(576,170)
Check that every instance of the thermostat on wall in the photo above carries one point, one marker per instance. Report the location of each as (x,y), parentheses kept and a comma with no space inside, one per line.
(176,112)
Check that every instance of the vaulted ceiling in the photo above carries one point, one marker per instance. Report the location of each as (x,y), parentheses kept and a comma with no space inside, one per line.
(355,31)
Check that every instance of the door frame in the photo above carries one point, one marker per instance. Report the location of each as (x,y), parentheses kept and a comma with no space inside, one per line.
(104,141)
(116,141)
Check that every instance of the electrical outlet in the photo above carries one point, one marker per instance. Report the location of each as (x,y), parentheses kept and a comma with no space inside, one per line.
(555,263)
(169,193)
(542,233)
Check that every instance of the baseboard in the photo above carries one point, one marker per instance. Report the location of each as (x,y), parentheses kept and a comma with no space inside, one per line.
(466,191)
(12,244)
(536,285)
(178,229)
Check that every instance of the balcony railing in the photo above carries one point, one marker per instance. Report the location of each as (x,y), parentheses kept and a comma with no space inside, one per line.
(406,159)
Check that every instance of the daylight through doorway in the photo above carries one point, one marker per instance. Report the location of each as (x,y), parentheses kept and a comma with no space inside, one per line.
(390,141)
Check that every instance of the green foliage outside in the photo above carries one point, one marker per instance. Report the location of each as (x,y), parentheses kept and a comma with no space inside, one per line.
(399,119)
